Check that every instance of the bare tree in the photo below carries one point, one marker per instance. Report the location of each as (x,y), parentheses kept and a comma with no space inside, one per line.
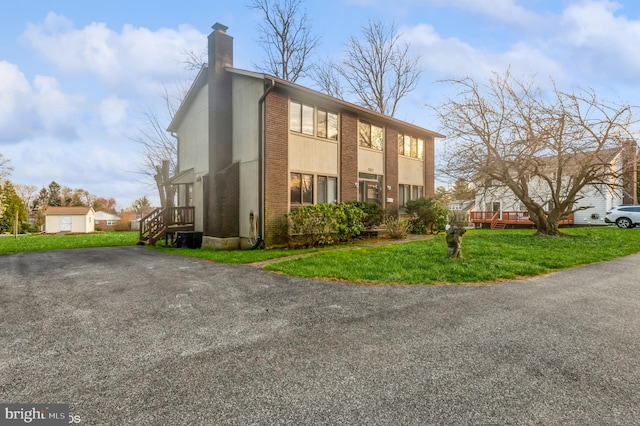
(5,167)
(285,35)
(547,150)
(27,193)
(326,75)
(159,149)
(378,69)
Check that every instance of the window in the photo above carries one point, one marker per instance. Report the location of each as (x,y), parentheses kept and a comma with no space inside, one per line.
(409,192)
(301,187)
(327,125)
(295,117)
(410,146)
(307,120)
(417,192)
(370,136)
(404,193)
(111,222)
(301,120)
(327,189)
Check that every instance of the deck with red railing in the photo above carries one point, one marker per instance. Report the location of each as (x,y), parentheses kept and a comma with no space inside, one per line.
(500,220)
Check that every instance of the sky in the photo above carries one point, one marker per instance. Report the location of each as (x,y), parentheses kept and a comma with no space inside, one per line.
(76,77)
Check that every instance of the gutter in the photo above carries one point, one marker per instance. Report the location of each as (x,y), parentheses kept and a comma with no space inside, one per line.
(261,155)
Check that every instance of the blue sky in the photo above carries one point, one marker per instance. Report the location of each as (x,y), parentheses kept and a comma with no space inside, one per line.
(75,76)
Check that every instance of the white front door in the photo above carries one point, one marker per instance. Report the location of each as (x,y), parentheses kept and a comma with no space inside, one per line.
(66,223)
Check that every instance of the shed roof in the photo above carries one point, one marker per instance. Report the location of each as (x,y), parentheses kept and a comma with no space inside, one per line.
(68,210)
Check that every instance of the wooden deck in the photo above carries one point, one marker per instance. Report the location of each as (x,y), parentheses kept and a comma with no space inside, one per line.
(166,223)
(500,220)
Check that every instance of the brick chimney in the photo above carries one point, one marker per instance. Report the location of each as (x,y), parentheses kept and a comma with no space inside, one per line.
(220,98)
(223,180)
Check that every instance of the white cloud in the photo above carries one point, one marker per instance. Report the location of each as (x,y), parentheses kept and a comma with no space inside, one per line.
(451,57)
(600,42)
(113,113)
(103,168)
(134,59)
(29,109)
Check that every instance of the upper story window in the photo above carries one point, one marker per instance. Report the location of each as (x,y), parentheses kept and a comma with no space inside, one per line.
(301,120)
(370,136)
(327,125)
(410,146)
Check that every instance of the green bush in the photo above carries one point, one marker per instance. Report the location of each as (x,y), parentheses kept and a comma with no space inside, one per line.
(323,224)
(427,215)
(374,213)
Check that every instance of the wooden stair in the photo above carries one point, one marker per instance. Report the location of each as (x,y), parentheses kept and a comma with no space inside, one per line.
(165,222)
(499,225)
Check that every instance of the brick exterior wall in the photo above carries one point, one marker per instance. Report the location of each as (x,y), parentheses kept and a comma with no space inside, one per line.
(276,152)
(429,166)
(391,170)
(348,157)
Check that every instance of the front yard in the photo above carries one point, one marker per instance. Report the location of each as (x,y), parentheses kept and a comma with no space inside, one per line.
(489,256)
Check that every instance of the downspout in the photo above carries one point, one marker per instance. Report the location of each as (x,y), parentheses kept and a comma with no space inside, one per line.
(261,165)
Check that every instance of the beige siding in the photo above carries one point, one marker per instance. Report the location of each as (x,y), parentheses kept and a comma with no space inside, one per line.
(371,161)
(246,93)
(410,171)
(313,155)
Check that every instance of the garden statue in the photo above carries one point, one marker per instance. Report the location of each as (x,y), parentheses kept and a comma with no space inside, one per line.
(454,241)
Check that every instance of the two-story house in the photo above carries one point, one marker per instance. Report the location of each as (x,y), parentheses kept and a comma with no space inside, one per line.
(251,147)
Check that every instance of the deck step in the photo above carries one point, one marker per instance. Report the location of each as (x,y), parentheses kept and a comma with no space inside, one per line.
(500,225)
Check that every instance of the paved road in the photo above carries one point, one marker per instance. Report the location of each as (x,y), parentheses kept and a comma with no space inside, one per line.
(128,336)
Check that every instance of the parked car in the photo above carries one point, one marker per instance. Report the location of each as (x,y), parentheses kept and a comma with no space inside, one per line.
(625,216)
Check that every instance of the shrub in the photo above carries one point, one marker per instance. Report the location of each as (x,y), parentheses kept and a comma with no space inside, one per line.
(396,228)
(427,215)
(122,225)
(374,213)
(324,224)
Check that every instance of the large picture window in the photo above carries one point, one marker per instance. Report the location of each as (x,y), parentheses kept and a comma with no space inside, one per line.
(370,136)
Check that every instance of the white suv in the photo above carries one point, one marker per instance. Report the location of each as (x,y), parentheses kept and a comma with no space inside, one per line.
(625,216)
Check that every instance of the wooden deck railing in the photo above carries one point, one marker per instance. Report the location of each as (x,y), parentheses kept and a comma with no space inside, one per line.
(162,222)
(509,218)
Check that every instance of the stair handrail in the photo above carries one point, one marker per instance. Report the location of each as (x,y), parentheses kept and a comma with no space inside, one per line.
(494,219)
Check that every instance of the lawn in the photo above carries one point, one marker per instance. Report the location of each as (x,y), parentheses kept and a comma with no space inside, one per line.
(488,256)
(40,242)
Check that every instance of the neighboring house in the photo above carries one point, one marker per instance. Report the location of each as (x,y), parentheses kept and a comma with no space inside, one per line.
(251,147)
(497,206)
(461,210)
(69,219)
(105,221)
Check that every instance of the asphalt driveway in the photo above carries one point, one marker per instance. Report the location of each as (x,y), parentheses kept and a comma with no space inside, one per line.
(129,336)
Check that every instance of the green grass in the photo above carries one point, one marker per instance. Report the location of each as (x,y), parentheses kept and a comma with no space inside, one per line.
(489,256)
(40,242)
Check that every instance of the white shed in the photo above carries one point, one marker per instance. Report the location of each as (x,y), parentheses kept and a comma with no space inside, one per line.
(70,219)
